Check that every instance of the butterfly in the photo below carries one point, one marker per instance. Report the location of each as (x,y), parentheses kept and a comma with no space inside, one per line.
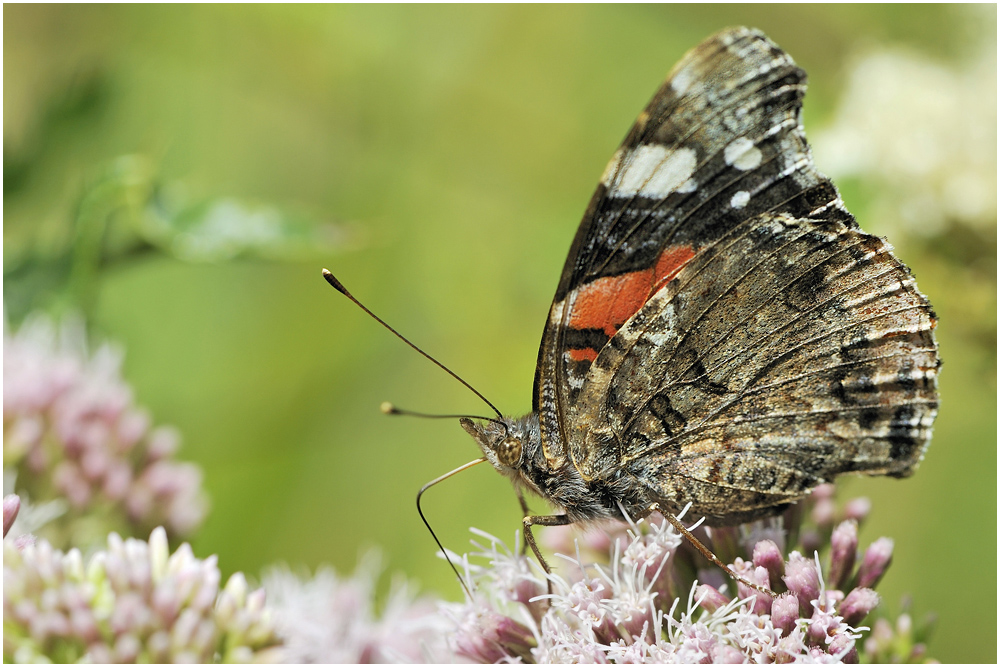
(724,336)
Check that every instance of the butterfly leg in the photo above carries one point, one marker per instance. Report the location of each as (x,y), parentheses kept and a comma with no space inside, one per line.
(705,551)
(551,520)
(524,513)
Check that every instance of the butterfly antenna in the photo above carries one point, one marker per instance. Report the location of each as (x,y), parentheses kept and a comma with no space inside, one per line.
(339,286)
(427,523)
(390,409)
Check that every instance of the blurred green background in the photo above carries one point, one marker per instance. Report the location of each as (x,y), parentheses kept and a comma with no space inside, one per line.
(438,159)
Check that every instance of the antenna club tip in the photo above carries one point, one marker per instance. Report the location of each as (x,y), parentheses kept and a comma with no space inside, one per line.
(387,408)
(336,284)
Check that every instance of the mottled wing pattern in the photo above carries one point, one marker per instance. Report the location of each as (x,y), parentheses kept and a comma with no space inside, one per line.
(723,331)
(793,350)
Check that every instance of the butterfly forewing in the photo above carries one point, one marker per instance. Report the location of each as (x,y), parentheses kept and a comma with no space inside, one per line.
(723,331)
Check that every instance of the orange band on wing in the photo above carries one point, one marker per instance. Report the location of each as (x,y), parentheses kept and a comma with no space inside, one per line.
(671,261)
(584,354)
(607,303)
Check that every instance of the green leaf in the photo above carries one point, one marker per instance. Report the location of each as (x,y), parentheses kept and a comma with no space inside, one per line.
(226,228)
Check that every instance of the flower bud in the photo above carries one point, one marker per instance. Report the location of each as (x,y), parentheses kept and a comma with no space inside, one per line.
(723,654)
(766,554)
(858,509)
(761,601)
(843,647)
(488,637)
(11,506)
(785,613)
(802,579)
(858,604)
(877,559)
(127,649)
(73,433)
(709,598)
(56,606)
(843,551)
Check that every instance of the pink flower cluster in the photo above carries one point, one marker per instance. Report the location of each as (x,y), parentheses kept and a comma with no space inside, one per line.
(636,596)
(71,430)
(133,601)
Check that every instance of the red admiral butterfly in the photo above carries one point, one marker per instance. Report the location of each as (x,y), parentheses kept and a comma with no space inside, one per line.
(723,335)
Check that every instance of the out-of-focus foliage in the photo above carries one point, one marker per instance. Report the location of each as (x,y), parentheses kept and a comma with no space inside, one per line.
(463,144)
(125,213)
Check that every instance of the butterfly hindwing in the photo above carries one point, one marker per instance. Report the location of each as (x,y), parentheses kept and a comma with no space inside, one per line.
(746,383)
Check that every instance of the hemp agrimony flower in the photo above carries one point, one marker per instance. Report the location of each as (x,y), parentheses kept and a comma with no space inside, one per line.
(133,602)
(645,595)
(326,618)
(72,433)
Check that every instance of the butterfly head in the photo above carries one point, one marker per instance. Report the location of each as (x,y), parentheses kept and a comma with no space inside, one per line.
(505,443)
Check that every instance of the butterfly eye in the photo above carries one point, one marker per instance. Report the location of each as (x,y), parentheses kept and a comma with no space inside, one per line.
(509,452)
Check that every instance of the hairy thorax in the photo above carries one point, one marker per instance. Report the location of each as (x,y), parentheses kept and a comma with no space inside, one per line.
(514,447)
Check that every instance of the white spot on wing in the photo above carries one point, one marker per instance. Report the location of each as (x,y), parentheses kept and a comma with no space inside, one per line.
(681,81)
(659,339)
(573,380)
(690,185)
(556,313)
(742,154)
(655,171)
(609,171)
(740,199)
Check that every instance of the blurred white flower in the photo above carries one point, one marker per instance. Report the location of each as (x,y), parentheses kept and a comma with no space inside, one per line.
(923,135)
(329,619)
